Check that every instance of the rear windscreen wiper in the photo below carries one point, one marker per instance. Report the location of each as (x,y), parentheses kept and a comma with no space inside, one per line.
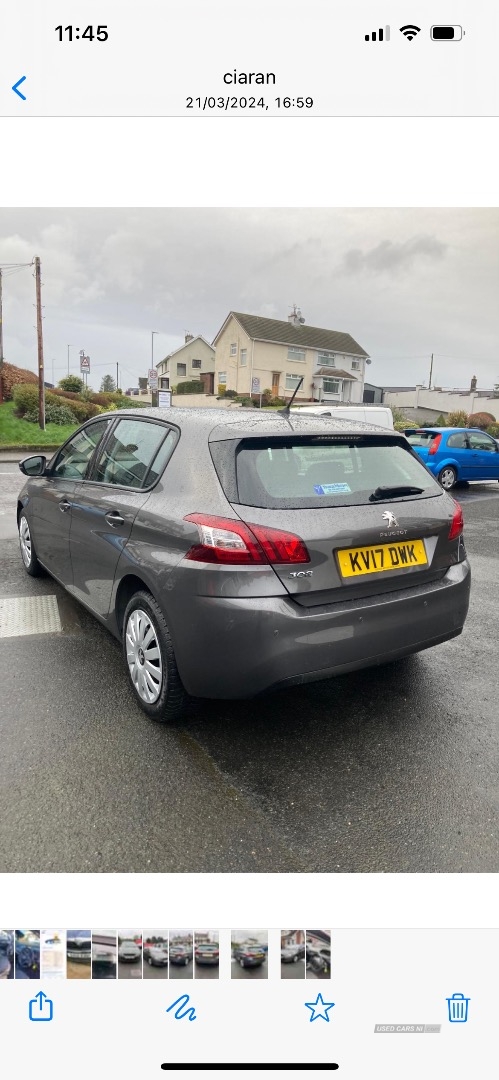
(394,492)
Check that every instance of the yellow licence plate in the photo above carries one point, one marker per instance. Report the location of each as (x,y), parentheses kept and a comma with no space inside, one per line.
(355,562)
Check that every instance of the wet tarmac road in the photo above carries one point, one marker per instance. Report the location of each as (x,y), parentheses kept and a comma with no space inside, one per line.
(391,769)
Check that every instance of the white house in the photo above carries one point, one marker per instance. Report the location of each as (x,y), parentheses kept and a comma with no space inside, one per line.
(255,354)
(195,359)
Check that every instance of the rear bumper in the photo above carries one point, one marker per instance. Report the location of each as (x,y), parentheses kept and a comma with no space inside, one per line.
(238,648)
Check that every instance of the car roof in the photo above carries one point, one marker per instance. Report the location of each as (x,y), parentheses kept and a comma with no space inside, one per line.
(222,423)
(445,430)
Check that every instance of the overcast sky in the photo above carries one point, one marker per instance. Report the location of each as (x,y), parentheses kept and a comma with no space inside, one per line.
(403,283)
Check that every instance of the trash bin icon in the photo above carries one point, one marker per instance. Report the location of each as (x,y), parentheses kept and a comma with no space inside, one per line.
(458,1008)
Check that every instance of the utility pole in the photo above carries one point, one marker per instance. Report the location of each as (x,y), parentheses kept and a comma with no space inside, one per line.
(431,372)
(1,342)
(39,335)
(117,378)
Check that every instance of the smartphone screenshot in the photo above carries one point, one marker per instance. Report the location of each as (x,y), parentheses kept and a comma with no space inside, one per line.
(249,484)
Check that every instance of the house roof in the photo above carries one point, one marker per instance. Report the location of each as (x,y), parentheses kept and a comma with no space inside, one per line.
(335,373)
(285,333)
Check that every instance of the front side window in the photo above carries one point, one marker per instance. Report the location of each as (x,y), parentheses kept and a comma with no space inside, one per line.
(74,458)
(296,354)
(181,369)
(481,442)
(131,451)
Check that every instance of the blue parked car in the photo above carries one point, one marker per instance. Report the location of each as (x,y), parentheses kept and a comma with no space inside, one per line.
(455,454)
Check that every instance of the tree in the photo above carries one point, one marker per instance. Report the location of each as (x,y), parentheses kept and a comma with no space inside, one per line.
(108,385)
(72,383)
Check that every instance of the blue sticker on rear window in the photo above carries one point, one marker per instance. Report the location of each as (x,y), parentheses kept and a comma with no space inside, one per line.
(331,489)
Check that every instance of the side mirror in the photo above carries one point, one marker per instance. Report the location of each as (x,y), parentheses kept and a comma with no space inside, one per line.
(33,466)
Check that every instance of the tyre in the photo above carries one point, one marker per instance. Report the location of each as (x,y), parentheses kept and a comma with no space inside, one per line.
(150,660)
(447,477)
(149,961)
(241,963)
(28,553)
(295,958)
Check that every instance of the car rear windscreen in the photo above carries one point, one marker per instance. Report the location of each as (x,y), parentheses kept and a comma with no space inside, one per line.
(326,471)
(420,438)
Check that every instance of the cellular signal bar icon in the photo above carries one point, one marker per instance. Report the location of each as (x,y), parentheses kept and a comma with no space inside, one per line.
(379,35)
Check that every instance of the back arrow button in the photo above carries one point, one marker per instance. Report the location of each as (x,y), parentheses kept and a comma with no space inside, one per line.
(16,88)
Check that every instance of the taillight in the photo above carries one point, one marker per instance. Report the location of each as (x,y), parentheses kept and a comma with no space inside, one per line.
(435,443)
(224,540)
(457,523)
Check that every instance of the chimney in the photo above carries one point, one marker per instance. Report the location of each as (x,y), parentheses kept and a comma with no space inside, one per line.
(473,385)
(189,337)
(296,318)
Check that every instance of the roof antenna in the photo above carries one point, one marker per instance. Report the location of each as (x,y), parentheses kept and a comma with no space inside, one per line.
(286,410)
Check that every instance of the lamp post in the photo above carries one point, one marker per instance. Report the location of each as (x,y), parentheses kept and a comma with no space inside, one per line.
(69,347)
(153,332)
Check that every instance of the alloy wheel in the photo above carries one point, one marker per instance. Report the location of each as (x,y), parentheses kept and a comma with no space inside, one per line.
(447,478)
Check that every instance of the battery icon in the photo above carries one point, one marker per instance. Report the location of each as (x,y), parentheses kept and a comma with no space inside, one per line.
(446,33)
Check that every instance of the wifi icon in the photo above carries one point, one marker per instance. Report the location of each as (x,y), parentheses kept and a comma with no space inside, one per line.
(410,31)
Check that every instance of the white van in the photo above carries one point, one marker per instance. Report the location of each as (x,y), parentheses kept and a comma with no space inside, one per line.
(379,415)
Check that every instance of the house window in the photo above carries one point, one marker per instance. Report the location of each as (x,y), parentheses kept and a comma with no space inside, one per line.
(243,358)
(292,381)
(296,354)
(196,363)
(355,365)
(181,369)
(164,384)
(331,386)
(325,359)
(222,378)
(233,350)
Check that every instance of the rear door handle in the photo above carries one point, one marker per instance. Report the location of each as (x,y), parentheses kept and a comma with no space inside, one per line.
(114,518)
(64,505)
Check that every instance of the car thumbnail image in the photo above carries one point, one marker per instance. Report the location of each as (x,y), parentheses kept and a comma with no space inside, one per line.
(129,954)
(292,954)
(249,954)
(155,952)
(78,954)
(104,949)
(6,954)
(318,954)
(206,954)
(181,954)
(27,954)
(53,954)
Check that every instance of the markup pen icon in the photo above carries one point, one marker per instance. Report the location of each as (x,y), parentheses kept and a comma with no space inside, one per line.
(458,1008)
(41,1007)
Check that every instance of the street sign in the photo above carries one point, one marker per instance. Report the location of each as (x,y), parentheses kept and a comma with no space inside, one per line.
(84,362)
(152,376)
(255,386)
(164,399)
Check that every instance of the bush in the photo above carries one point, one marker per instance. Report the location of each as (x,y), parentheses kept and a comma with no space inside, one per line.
(192,386)
(14,376)
(481,420)
(459,418)
(26,400)
(54,414)
(72,383)
(440,421)
(493,429)
(247,401)
(227,393)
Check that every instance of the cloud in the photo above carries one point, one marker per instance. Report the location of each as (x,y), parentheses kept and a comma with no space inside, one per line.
(389,257)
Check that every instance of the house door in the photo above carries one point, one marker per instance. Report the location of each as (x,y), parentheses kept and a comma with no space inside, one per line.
(275,383)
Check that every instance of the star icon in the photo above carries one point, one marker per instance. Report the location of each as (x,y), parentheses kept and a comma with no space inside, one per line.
(319,1008)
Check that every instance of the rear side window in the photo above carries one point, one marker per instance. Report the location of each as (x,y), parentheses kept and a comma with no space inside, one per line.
(135,454)
(320,471)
